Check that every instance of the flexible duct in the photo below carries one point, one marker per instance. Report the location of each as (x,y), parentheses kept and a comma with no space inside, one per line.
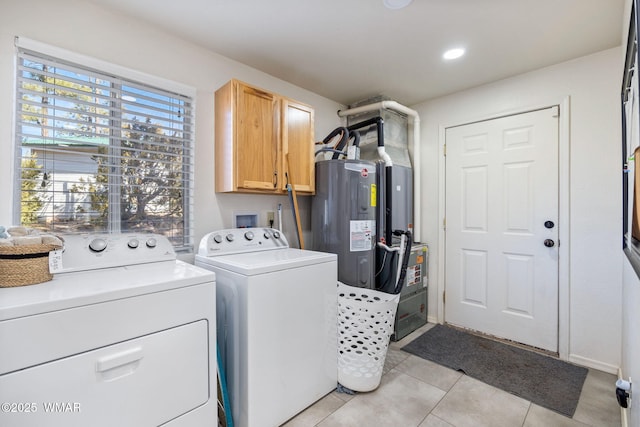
(415,119)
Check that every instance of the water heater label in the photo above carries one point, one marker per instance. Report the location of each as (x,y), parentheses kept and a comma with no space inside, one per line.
(374,195)
(361,235)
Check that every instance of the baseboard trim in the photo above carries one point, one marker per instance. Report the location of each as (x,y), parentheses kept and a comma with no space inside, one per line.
(595,364)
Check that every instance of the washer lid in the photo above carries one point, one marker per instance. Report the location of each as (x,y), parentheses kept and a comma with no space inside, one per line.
(254,263)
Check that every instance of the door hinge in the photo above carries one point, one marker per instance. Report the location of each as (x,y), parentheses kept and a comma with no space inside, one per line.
(444,150)
(444,223)
(444,297)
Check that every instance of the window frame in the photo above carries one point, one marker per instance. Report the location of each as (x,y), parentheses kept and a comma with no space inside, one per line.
(185,243)
(630,203)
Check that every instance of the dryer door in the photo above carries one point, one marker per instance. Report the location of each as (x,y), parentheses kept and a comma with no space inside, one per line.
(145,381)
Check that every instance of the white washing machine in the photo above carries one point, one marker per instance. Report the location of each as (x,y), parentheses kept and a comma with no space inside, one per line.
(277,317)
(124,335)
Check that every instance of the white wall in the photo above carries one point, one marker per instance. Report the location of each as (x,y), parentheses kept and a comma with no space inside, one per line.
(87,29)
(590,318)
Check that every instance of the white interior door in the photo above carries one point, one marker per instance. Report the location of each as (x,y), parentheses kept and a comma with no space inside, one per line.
(502,227)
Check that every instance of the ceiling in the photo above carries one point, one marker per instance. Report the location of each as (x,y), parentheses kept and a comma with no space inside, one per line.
(350,50)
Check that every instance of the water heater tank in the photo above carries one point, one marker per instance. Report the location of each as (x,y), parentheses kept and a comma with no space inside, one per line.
(343,217)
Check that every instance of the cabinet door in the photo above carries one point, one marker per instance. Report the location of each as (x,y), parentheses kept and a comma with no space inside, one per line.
(256,156)
(297,142)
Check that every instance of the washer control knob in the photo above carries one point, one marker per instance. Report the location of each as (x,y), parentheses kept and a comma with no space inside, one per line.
(229,237)
(267,236)
(217,238)
(249,235)
(151,243)
(276,234)
(133,243)
(98,245)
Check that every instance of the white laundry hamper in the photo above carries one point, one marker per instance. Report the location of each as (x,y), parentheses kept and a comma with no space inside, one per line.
(365,324)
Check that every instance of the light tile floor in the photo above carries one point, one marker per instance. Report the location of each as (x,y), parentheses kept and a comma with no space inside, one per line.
(417,393)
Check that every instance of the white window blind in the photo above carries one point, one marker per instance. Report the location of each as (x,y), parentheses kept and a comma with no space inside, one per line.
(99,153)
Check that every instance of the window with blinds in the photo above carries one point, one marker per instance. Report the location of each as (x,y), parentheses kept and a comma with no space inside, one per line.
(99,153)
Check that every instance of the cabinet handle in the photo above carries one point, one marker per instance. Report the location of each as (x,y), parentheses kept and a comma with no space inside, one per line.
(275,179)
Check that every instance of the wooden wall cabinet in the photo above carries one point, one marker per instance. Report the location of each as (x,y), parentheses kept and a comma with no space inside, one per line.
(256,131)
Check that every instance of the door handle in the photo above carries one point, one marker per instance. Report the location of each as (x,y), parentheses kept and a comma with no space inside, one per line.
(549,243)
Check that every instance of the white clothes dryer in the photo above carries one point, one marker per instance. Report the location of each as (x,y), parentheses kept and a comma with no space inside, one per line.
(124,335)
(277,322)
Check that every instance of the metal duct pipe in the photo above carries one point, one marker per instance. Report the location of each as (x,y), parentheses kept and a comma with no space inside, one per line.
(380,129)
(388,191)
(415,118)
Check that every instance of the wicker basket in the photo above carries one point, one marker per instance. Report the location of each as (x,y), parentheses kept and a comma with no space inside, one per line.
(25,265)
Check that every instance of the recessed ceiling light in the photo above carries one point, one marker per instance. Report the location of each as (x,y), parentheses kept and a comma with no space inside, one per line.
(396,4)
(453,53)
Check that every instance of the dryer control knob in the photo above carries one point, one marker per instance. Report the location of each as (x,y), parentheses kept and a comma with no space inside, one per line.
(229,237)
(276,234)
(267,236)
(249,235)
(151,243)
(98,245)
(217,238)
(133,243)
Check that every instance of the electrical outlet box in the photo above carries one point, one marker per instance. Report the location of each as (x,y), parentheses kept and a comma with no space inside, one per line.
(271,217)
